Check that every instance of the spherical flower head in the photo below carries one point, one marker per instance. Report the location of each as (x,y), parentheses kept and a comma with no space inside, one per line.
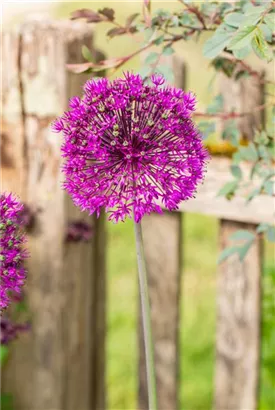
(130,147)
(12,253)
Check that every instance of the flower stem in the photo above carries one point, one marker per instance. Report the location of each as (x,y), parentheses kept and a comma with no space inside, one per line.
(146,322)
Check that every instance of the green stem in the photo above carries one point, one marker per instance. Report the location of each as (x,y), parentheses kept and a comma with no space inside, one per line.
(146,322)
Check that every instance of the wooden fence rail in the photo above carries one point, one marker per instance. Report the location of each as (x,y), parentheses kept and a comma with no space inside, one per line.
(60,364)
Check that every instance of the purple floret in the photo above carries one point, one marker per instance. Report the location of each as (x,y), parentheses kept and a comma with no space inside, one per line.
(131,147)
(12,254)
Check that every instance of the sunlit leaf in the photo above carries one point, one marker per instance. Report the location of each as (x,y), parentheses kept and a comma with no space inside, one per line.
(270,21)
(86,53)
(242,251)
(227,252)
(216,105)
(168,50)
(234,19)
(242,38)
(262,228)
(269,187)
(242,234)
(236,171)
(131,19)
(217,43)
(151,58)
(260,46)
(228,188)
(241,53)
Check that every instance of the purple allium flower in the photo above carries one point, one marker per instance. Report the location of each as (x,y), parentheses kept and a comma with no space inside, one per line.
(12,254)
(79,231)
(130,146)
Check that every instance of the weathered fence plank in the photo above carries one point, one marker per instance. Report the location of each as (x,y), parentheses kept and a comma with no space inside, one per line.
(238,326)
(239,291)
(243,96)
(261,209)
(52,367)
(162,241)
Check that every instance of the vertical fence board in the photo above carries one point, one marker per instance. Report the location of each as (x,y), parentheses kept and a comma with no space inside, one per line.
(238,326)
(162,241)
(52,367)
(11,118)
(243,96)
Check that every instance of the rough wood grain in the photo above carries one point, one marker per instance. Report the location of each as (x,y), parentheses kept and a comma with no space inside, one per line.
(52,367)
(162,242)
(11,117)
(238,326)
(261,209)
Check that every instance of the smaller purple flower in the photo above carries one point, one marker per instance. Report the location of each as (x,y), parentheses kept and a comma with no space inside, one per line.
(79,231)
(27,218)
(10,330)
(12,253)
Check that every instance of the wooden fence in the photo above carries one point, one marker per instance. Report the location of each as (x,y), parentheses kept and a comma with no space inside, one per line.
(60,364)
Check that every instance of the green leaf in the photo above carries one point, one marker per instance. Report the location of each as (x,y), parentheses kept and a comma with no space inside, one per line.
(151,58)
(242,234)
(216,105)
(4,351)
(252,194)
(262,228)
(266,31)
(270,22)
(253,15)
(249,153)
(237,158)
(227,252)
(148,35)
(86,53)
(234,19)
(168,50)
(271,234)
(242,38)
(263,152)
(228,188)
(242,251)
(206,128)
(269,187)
(167,72)
(236,171)
(144,71)
(260,46)
(241,53)
(159,40)
(217,43)
(232,132)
